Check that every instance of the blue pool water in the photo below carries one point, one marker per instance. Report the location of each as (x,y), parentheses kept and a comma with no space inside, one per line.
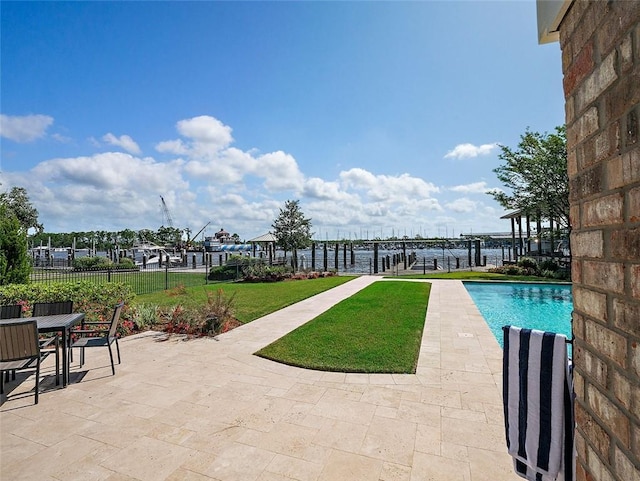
(546,307)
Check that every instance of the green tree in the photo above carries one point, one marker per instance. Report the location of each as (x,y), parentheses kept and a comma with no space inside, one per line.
(127,238)
(536,174)
(17,203)
(169,235)
(291,229)
(15,266)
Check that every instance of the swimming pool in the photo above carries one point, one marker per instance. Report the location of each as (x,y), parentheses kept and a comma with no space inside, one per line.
(546,307)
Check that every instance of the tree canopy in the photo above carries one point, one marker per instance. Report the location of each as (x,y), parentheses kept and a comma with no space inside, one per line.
(536,174)
(17,203)
(15,267)
(291,229)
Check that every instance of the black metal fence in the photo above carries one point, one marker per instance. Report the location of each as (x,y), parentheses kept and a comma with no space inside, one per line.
(142,281)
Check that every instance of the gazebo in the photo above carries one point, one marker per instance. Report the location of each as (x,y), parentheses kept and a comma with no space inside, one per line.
(266,241)
(522,246)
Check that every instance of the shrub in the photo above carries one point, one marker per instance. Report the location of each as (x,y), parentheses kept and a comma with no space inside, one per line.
(548,273)
(513,270)
(95,300)
(144,316)
(562,274)
(528,263)
(178,320)
(82,263)
(215,317)
(217,311)
(87,263)
(126,263)
(265,273)
(549,265)
(224,273)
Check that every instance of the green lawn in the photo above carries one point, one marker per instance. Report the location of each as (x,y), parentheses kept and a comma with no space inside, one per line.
(472,275)
(252,300)
(377,330)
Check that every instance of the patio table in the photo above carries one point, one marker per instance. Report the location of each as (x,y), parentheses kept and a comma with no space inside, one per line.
(61,323)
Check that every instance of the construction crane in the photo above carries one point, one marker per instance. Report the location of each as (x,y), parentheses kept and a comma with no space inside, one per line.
(200,231)
(165,213)
(189,238)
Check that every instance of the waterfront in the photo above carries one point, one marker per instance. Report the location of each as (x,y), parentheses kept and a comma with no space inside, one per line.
(349,261)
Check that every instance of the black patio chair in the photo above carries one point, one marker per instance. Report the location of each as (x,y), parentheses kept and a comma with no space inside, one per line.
(19,349)
(51,345)
(99,337)
(52,308)
(11,311)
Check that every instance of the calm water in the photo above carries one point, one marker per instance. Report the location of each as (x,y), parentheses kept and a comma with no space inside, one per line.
(546,307)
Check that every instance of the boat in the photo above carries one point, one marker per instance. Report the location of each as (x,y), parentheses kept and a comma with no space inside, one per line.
(212,244)
(153,253)
(222,241)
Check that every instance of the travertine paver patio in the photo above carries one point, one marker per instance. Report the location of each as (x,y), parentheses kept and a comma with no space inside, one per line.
(207,409)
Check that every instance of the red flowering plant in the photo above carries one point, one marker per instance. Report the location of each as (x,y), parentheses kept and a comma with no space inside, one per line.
(213,318)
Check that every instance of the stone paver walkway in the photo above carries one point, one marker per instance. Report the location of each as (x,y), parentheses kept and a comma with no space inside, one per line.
(208,409)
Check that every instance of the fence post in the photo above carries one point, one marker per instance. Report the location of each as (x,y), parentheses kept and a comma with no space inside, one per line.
(325,257)
(344,255)
(166,274)
(193,260)
(435,263)
(375,258)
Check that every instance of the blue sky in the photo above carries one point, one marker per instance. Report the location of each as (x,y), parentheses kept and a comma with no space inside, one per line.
(380,117)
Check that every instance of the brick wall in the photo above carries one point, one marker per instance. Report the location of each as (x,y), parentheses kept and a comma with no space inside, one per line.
(600,43)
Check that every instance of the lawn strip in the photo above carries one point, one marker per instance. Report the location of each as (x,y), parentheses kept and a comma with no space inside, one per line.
(377,330)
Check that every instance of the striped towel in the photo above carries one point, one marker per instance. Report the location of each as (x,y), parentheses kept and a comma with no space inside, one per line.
(538,404)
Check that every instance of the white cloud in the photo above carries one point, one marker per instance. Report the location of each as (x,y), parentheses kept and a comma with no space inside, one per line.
(226,167)
(124,141)
(111,170)
(280,171)
(462,205)
(205,137)
(61,138)
(206,131)
(104,190)
(172,147)
(206,144)
(316,188)
(26,128)
(469,151)
(395,189)
(473,188)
